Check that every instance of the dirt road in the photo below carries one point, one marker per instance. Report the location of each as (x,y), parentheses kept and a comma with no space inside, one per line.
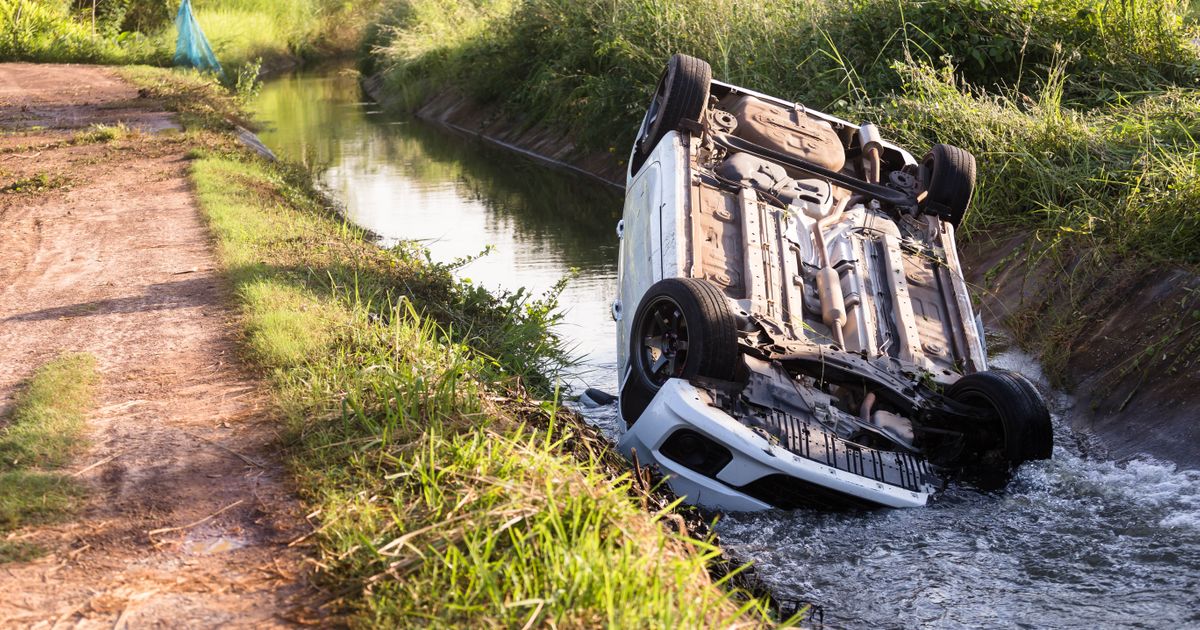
(112,258)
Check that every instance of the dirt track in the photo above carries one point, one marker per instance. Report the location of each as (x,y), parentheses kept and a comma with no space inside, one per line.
(117,262)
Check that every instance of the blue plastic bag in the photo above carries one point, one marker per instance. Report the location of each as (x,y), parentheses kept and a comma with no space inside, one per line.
(192,49)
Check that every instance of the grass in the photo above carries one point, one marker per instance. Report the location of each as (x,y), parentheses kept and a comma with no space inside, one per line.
(41,434)
(1082,113)
(241,32)
(201,103)
(445,486)
(443,494)
(98,133)
(36,183)
(45,30)
(48,417)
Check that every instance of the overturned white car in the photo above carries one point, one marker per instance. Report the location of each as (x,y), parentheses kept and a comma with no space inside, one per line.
(793,325)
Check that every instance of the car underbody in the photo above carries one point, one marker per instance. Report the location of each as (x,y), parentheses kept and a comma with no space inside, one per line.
(798,330)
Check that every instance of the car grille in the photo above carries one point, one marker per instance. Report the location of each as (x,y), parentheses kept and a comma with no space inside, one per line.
(813,443)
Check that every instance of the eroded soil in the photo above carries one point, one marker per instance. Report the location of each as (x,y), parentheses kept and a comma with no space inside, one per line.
(113,259)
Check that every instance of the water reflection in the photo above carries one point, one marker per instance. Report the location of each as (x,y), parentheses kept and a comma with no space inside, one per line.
(405,179)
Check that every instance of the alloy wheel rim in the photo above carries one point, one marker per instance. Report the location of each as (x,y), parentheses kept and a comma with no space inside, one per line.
(664,341)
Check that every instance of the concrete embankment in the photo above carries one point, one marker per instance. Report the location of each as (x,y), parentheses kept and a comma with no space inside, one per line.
(1125,343)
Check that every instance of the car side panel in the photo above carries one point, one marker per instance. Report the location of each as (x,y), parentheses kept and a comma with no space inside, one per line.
(652,238)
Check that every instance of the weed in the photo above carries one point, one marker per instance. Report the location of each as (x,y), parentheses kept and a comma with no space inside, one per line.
(41,182)
(140,31)
(19,551)
(102,133)
(444,496)
(247,84)
(32,498)
(200,100)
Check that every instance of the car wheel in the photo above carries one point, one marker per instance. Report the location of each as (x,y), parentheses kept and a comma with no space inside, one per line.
(1020,431)
(682,94)
(683,328)
(948,174)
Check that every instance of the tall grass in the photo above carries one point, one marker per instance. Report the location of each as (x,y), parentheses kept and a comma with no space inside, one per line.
(46,30)
(442,495)
(142,31)
(589,64)
(1113,182)
(445,489)
(1082,112)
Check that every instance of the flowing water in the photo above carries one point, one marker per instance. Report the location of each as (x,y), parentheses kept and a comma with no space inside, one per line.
(1080,541)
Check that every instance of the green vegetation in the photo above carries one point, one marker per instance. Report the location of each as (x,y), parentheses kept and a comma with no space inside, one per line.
(199,101)
(102,133)
(446,487)
(48,30)
(143,32)
(1083,113)
(444,494)
(42,432)
(39,182)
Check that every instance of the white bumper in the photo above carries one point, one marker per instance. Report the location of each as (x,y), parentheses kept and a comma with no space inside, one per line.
(680,405)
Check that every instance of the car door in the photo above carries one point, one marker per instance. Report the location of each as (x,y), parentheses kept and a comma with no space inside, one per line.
(639,266)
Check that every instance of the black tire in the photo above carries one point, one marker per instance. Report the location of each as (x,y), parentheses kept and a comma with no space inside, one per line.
(682,94)
(948,174)
(683,328)
(1022,429)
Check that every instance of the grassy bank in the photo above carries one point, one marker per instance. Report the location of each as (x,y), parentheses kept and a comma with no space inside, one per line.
(1083,113)
(143,32)
(444,486)
(42,432)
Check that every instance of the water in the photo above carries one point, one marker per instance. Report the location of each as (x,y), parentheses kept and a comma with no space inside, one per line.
(404,179)
(1077,542)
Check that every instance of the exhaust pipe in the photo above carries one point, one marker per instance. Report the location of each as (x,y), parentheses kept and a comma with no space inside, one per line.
(829,283)
(871,142)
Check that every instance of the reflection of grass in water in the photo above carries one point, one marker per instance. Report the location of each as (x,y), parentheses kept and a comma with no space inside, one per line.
(315,117)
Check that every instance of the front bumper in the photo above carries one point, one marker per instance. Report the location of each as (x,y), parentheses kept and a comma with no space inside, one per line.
(680,405)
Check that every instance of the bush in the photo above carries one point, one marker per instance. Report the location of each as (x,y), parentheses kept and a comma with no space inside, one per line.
(589,64)
(142,31)
(43,30)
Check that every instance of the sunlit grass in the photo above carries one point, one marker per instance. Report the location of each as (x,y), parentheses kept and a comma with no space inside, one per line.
(442,497)
(43,431)
(240,31)
(1078,110)
(1082,113)
(47,419)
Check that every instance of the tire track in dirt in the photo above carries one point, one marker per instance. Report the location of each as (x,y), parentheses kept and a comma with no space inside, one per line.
(119,264)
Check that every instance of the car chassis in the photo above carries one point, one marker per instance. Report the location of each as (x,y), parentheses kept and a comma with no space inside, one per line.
(801,333)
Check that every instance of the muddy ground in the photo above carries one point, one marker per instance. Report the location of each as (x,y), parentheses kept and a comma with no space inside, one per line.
(190,513)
